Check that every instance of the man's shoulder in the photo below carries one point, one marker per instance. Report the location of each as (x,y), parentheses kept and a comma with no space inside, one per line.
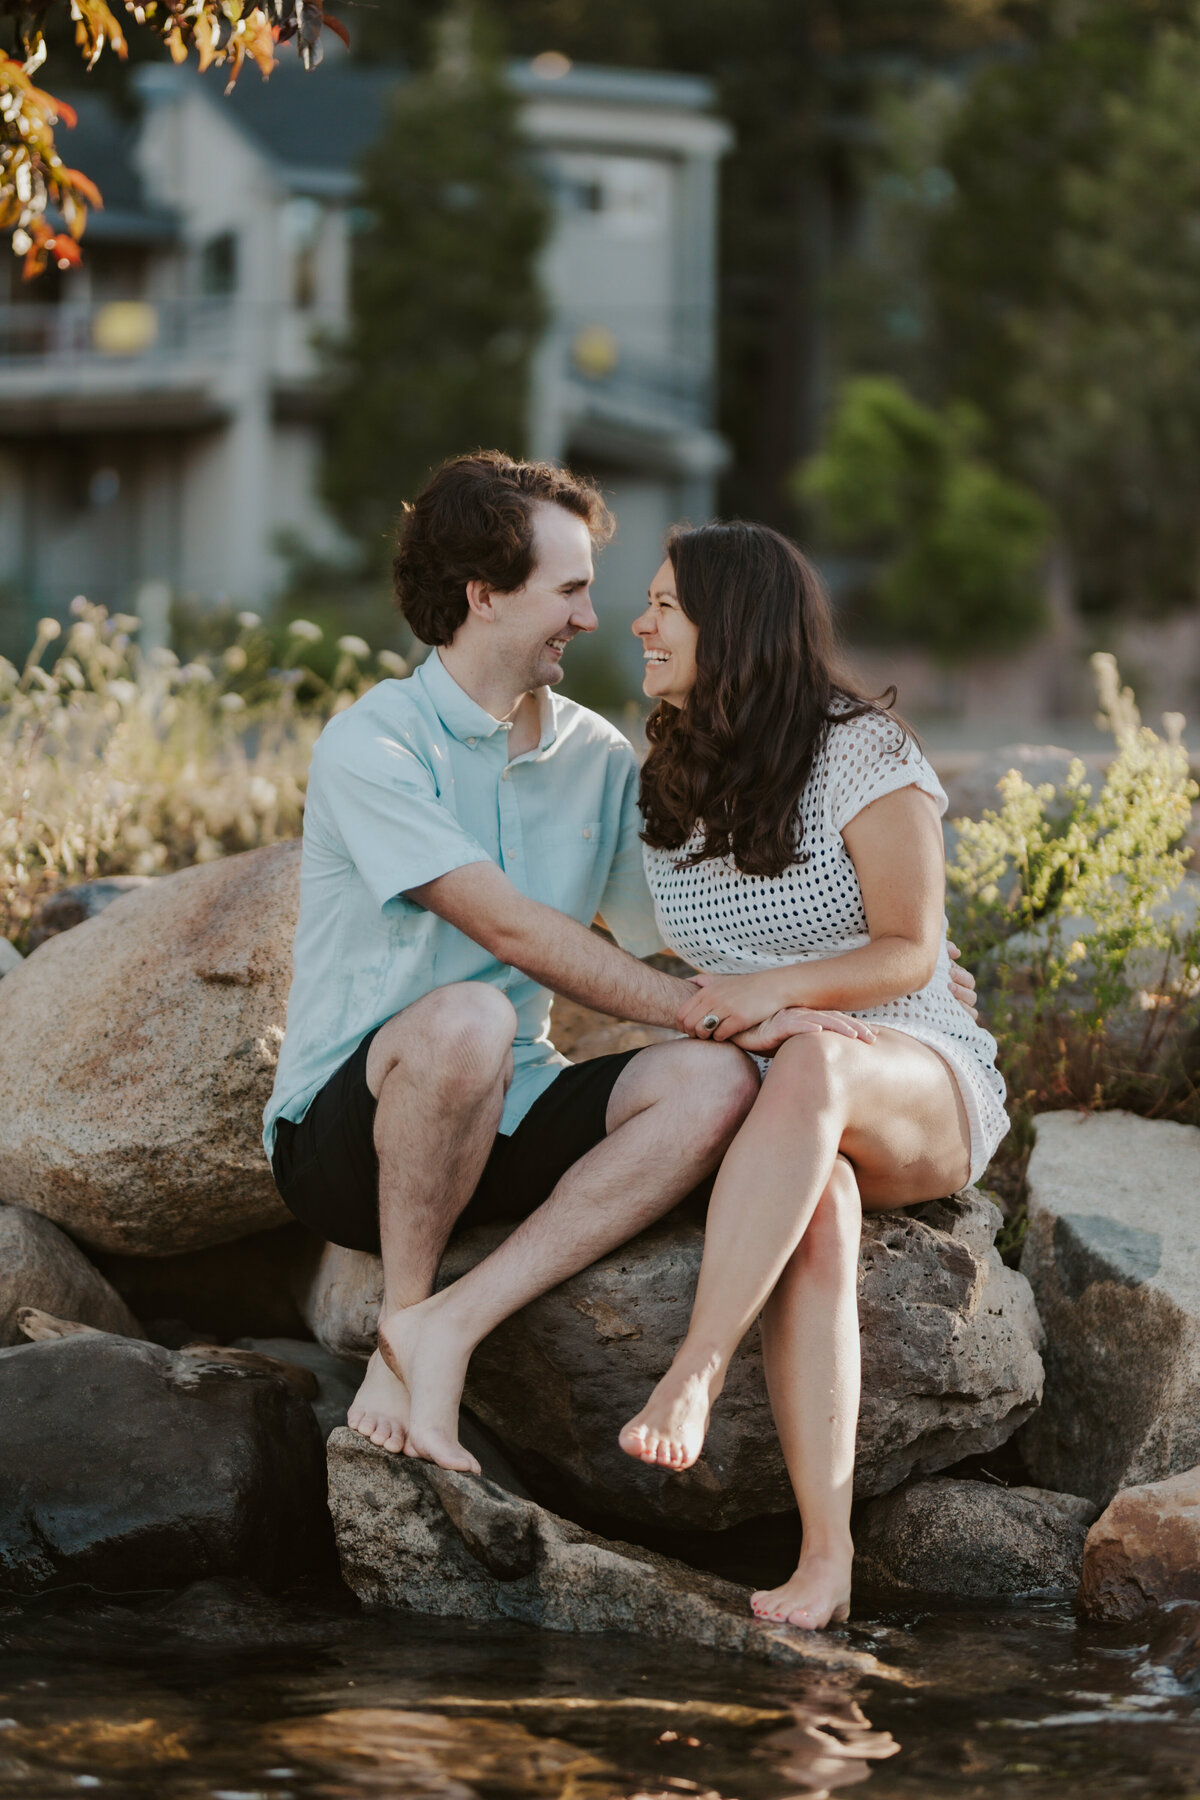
(580,726)
(391,709)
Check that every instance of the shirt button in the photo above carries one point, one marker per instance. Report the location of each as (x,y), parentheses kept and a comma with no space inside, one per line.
(587,831)
(472,742)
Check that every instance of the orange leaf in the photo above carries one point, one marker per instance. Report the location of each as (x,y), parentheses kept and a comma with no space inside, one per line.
(338,29)
(86,186)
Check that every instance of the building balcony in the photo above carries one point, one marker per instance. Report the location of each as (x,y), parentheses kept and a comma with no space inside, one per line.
(166,364)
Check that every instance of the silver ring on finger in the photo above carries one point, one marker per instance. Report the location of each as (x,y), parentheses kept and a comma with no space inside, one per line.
(709,1022)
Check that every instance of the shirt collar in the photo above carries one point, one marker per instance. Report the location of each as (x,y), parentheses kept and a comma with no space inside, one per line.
(464,718)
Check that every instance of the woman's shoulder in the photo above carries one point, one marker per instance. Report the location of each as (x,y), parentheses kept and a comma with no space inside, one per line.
(868,754)
(854,731)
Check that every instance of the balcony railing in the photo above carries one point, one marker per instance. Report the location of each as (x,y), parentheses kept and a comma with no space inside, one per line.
(601,361)
(117,332)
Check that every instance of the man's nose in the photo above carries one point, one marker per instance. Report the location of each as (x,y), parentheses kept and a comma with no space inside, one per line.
(584,617)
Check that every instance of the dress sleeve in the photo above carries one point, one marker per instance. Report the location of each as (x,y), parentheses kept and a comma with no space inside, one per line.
(869,757)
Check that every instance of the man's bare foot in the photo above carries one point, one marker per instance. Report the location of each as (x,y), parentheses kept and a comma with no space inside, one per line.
(670,1429)
(818,1594)
(430,1358)
(379,1410)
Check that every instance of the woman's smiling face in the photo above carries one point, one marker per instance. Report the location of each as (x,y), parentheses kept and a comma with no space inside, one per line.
(668,640)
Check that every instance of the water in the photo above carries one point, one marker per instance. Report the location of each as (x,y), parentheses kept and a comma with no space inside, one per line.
(221,1694)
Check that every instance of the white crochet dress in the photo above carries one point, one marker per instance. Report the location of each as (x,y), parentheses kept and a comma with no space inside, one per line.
(720,920)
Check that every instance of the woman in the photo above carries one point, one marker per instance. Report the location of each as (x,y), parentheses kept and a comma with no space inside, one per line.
(794,850)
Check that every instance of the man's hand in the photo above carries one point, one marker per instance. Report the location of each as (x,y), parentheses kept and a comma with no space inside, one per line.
(962,982)
(798,1021)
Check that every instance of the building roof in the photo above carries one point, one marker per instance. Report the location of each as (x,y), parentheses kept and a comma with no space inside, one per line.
(102,146)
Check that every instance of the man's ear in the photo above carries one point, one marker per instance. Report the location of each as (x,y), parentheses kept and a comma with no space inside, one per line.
(479,600)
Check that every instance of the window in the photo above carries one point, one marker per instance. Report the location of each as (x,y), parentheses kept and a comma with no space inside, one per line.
(218,264)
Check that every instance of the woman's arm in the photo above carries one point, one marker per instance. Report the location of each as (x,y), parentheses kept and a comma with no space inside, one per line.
(896,847)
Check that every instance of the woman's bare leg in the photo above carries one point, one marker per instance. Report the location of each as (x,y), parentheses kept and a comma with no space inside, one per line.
(892,1108)
(812,1364)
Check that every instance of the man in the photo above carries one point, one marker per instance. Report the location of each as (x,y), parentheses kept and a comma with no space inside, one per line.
(462,829)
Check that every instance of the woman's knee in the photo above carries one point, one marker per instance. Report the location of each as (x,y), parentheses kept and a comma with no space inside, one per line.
(812,1065)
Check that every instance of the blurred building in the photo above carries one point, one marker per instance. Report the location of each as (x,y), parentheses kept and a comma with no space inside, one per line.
(160,410)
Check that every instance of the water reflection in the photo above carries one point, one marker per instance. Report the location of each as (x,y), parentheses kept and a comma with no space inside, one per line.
(221,1694)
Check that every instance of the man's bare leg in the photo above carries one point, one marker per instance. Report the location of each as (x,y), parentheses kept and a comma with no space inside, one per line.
(672,1114)
(438,1071)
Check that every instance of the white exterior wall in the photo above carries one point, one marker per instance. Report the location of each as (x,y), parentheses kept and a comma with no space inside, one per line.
(210,432)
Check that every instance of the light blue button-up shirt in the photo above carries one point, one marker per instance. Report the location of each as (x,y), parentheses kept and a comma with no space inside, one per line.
(407,784)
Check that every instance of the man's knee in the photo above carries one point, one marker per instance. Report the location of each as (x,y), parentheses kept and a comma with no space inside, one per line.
(719,1084)
(462,1035)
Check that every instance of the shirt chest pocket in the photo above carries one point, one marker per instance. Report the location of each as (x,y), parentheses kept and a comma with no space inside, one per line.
(568,865)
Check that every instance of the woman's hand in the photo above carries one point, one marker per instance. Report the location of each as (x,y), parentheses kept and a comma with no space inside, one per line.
(735,1002)
(796,1021)
(744,1004)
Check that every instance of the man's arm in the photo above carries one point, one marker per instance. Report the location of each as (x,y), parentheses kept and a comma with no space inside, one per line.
(480,901)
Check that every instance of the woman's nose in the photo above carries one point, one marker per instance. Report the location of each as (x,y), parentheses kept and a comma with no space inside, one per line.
(642,624)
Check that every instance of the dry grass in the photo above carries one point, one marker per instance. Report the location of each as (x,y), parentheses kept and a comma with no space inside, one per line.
(112,762)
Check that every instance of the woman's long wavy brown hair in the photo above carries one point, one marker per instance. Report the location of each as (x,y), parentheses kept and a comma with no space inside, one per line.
(736,756)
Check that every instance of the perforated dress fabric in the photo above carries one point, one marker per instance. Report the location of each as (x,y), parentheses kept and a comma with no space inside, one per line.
(723,921)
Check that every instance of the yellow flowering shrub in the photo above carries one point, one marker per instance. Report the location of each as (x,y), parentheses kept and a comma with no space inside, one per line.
(1071,904)
(117,762)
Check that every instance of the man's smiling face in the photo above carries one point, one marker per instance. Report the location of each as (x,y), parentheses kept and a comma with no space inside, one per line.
(537,621)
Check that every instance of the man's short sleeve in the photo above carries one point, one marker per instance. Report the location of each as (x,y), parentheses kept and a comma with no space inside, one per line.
(380,800)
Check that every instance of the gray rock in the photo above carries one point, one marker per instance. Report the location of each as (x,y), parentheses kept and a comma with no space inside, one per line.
(10,958)
(950,1365)
(126,1466)
(971,1540)
(71,906)
(427,1540)
(41,1267)
(132,1115)
(337,1380)
(973,788)
(1113,1254)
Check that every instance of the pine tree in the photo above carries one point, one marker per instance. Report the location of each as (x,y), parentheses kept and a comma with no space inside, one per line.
(446,305)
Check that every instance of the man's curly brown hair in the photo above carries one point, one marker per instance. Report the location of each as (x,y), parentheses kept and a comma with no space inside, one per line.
(473,521)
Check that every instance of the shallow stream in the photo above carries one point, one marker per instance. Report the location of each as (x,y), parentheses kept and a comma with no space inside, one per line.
(224,1694)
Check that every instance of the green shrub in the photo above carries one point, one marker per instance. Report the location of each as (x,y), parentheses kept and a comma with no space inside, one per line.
(1070,905)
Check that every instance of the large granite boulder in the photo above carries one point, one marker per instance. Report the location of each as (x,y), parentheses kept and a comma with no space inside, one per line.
(137,1052)
(128,1466)
(950,1365)
(428,1540)
(71,906)
(969,1540)
(1113,1254)
(40,1266)
(1143,1552)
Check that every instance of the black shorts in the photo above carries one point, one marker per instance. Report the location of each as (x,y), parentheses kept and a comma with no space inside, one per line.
(327,1171)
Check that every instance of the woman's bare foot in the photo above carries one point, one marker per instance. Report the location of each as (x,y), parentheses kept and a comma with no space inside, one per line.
(379,1410)
(670,1429)
(430,1358)
(818,1594)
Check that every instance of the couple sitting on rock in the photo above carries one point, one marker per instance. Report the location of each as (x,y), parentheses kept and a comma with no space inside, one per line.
(463,829)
